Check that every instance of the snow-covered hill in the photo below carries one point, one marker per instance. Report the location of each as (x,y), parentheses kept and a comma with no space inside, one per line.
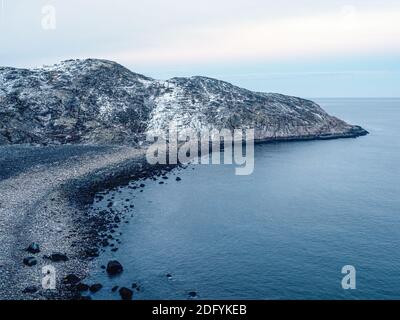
(101,102)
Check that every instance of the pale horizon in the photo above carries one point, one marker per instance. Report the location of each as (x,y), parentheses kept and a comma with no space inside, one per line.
(307,48)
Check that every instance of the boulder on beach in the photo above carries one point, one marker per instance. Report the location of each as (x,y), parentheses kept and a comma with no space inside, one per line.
(57,257)
(30,261)
(30,289)
(71,279)
(33,248)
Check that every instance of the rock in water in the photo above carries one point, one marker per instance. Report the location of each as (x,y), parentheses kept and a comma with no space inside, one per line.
(95,287)
(114,268)
(33,248)
(99,101)
(115,288)
(136,286)
(125,293)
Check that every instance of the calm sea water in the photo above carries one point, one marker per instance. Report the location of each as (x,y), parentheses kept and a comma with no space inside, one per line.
(284,232)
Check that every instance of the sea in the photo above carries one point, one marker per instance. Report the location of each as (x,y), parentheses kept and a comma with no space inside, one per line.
(287,231)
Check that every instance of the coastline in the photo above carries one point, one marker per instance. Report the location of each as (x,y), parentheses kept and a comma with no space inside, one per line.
(47,205)
(54,203)
(355,132)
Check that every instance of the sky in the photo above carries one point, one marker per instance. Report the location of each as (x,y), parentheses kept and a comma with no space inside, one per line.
(307,48)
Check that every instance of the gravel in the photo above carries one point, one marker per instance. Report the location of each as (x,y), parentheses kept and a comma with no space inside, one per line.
(40,200)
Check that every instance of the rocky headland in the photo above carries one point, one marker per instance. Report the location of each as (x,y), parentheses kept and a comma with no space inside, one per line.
(77,128)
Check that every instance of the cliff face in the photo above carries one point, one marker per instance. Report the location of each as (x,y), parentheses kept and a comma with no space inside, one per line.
(101,102)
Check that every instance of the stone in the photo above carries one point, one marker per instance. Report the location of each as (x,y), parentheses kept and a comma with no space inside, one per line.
(71,279)
(57,257)
(31,289)
(33,248)
(114,268)
(136,286)
(125,293)
(95,287)
(114,289)
(30,261)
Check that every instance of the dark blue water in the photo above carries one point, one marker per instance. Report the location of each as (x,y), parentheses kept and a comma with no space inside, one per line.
(284,232)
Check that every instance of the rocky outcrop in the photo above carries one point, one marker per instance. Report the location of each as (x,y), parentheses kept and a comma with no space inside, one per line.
(101,102)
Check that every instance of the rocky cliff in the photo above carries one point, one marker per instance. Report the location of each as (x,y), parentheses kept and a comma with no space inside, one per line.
(101,102)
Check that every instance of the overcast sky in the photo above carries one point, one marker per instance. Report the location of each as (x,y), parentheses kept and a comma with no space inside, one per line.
(306,48)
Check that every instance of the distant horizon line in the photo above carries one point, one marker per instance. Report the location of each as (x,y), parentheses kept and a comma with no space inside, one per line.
(352,97)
